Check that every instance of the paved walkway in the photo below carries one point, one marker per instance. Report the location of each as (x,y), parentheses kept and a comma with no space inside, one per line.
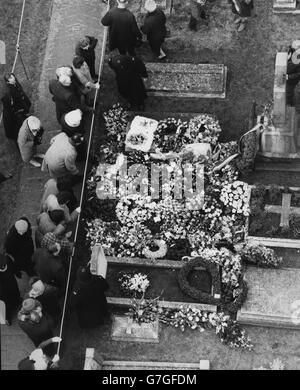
(71,20)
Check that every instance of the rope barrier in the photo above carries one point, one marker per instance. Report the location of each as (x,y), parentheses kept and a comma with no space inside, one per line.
(18,48)
(104,40)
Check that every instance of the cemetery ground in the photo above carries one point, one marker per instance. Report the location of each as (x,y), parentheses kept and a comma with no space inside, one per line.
(249,57)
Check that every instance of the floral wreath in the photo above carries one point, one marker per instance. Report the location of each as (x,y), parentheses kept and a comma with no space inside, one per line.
(157,254)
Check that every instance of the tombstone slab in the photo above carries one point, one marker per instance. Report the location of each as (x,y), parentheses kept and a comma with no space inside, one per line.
(187,80)
(284,5)
(273,298)
(124,329)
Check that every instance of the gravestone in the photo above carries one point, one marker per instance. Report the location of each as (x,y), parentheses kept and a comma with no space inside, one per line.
(273,298)
(2,313)
(186,80)
(93,361)
(2,53)
(278,139)
(125,329)
(284,6)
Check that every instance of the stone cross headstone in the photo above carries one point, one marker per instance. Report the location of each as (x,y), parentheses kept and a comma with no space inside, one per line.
(2,53)
(285,210)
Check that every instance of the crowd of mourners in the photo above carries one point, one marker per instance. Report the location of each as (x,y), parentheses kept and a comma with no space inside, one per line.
(45,257)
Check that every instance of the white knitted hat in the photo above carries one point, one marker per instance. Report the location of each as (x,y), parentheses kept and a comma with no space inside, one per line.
(73,118)
(34,123)
(64,71)
(150,5)
(65,80)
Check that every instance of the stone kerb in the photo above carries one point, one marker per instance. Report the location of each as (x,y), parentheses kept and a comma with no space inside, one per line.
(270,241)
(285,7)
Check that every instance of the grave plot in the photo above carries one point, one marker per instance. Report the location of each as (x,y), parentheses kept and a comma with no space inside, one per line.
(275,216)
(273,298)
(187,80)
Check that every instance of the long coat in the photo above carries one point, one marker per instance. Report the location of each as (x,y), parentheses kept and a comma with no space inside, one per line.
(88,54)
(129,72)
(245,9)
(16,106)
(60,158)
(123,29)
(48,300)
(155,29)
(26,142)
(90,301)
(37,332)
(21,248)
(66,99)
(9,290)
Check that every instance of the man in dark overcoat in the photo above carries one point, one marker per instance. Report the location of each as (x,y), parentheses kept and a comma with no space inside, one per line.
(124,33)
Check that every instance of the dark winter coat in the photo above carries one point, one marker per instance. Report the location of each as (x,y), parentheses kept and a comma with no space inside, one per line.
(9,290)
(90,301)
(37,332)
(155,29)
(88,54)
(21,248)
(49,301)
(66,99)
(123,29)
(129,73)
(16,105)
(50,268)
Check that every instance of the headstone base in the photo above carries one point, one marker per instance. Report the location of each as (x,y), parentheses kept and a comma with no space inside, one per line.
(123,329)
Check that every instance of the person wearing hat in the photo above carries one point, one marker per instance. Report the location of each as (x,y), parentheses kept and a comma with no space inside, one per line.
(88,298)
(130,72)
(18,243)
(66,94)
(29,137)
(86,48)
(54,186)
(49,221)
(60,158)
(124,33)
(16,106)
(61,239)
(39,360)
(155,28)
(71,122)
(50,266)
(9,290)
(46,294)
(197,11)
(37,325)
(293,72)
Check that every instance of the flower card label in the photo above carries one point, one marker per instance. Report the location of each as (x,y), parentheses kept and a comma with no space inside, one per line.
(187,80)
(124,329)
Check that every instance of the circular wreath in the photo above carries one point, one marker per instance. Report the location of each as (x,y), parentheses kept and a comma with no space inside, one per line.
(157,254)
(193,292)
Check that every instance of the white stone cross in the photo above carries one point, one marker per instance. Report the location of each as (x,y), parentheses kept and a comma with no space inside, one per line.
(285,210)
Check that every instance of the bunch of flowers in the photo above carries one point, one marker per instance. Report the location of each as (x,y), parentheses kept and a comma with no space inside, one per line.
(170,135)
(260,255)
(99,232)
(116,121)
(136,139)
(226,150)
(204,128)
(134,282)
(131,241)
(236,197)
(136,208)
(144,311)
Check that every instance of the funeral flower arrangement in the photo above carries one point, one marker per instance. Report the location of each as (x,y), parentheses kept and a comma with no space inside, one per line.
(199,220)
(134,282)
